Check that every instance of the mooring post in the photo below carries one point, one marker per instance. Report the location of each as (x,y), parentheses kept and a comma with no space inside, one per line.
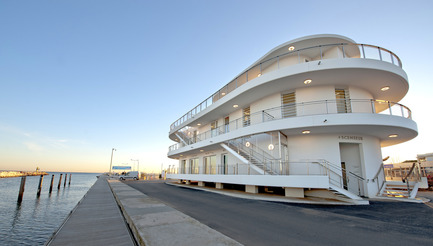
(40,186)
(21,193)
(70,176)
(60,181)
(66,177)
(52,181)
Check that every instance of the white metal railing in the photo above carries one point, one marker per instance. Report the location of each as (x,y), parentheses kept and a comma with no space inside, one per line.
(301,109)
(337,175)
(320,52)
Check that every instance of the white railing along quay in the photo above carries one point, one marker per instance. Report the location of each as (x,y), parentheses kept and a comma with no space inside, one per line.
(300,109)
(315,53)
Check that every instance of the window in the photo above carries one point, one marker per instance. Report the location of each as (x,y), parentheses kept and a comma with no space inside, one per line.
(343,101)
(214,128)
(183,166)
(193,164)
(210,164)
(288,102)
(246,117)
(226,124)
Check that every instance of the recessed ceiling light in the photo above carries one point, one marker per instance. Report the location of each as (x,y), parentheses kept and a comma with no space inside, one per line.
(199,124)
(291,48)
(306,132)
(385,88)
(201,150)
(393,135)
(223,93)
(258,75)
(307,81)
(235,106)
(248,144)
(271,147)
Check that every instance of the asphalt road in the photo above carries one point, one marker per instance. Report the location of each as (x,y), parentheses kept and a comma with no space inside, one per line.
(252,222)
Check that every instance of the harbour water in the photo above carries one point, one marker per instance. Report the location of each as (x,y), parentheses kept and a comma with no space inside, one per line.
(34,220)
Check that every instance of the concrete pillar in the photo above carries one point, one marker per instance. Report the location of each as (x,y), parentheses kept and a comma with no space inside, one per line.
(294,192)
(219,185)
(200,183)
(252,189)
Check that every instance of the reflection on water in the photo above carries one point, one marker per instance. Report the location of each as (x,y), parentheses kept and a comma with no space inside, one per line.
(33,221)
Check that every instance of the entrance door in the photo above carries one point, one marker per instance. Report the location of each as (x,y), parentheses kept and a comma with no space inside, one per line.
(351,164)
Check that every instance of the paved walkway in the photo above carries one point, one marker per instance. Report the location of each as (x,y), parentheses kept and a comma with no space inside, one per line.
(96,220)
(155,223)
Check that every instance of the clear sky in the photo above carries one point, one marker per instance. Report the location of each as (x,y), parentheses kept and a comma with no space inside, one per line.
(80,77)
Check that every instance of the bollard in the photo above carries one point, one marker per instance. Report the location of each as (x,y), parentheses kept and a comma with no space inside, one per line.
(52,181)
(60,181)
(70,176)
(66,177)
(40,186)
(21,193)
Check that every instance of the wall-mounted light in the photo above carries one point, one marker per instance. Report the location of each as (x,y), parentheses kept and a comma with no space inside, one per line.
(271,147)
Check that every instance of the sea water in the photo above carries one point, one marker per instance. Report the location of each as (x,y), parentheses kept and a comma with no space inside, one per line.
(33,221)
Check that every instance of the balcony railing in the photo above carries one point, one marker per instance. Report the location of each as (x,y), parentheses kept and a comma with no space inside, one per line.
(315,53)
(302,109)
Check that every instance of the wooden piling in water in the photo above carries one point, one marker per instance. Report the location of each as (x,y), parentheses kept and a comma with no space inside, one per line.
(70,176)
(66,177)
(52,181)
(41,179)
(60,181)
(21,192)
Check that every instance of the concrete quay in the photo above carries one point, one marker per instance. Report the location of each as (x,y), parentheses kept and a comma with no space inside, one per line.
(154,223)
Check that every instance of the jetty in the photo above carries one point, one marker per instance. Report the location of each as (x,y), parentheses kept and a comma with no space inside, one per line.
(12,174)
(113,213)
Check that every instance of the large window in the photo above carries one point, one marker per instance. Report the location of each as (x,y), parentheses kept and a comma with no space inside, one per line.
(214,128)
(210,164)
(183,166)
(246,116)
(193,163)
(343,101)
(288,102)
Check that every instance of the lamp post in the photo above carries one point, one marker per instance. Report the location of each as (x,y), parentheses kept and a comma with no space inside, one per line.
(111,162)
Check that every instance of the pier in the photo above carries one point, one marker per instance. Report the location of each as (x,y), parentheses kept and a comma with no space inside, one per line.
(113,213)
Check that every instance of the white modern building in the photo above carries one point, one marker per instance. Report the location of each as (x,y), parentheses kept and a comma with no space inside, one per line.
(309,118)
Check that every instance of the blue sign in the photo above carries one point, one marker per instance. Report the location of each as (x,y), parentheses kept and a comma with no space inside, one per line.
(121,167)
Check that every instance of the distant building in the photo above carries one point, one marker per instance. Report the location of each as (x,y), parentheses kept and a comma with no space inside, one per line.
(309,118)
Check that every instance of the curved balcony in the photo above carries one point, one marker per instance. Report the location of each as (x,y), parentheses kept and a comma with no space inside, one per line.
(322,107)
(315,53)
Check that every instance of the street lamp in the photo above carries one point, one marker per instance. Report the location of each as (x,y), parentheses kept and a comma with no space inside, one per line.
(111,162)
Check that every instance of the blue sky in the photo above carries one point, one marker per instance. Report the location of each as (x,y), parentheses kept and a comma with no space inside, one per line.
(78,78)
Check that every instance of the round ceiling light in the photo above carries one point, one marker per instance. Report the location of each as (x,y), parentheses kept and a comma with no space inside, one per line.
(291,48)
(393,136)
(307,81)
(385,88)
(306,132)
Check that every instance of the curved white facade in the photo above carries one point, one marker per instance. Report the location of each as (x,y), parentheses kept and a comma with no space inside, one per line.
(311,114)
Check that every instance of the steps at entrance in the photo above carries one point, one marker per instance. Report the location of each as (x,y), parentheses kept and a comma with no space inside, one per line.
(397,189)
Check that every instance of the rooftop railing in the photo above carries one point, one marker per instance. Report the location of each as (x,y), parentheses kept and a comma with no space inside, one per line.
(300,109)
(320,52)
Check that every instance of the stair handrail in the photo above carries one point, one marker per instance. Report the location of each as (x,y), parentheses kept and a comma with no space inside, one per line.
(330,165)
(406,178)
(376,178)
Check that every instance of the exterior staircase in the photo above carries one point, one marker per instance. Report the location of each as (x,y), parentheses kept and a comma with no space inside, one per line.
(398,189)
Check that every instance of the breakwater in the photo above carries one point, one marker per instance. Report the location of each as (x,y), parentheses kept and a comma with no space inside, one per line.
(13,174)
